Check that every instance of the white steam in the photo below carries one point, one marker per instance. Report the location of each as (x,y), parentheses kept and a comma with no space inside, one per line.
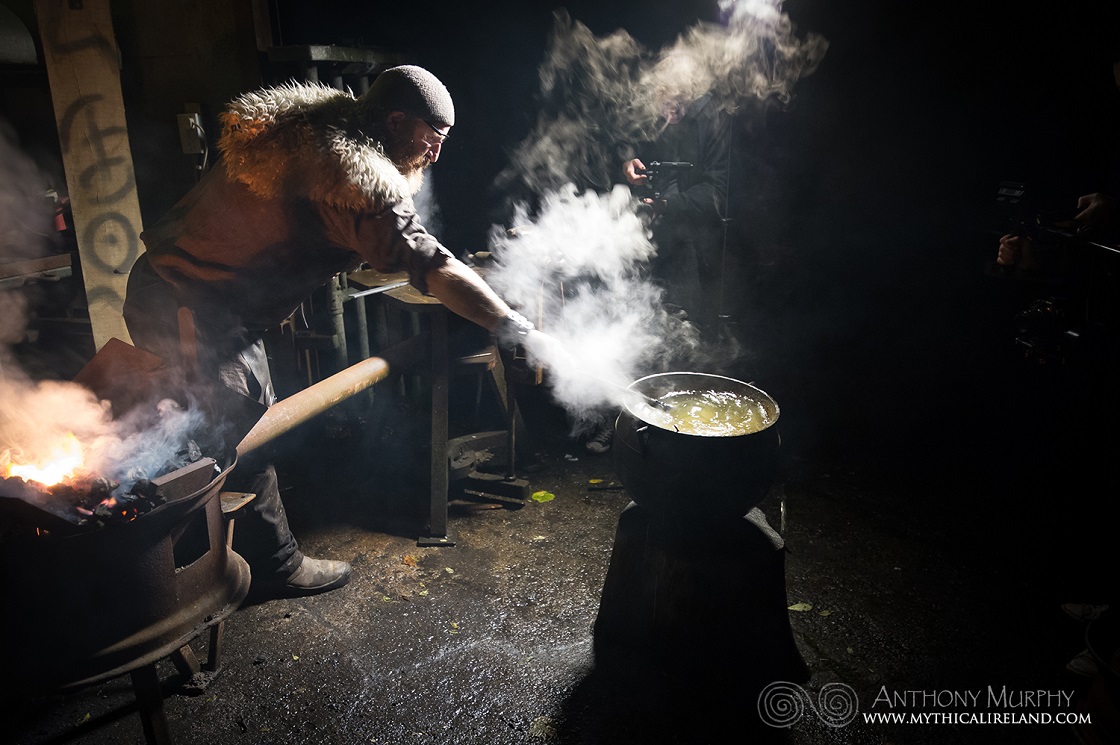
(577,270)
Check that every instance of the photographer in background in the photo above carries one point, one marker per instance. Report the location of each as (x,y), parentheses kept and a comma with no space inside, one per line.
(682,177)
(1098,213)
(1072,332)
(689,202)
(1098,218)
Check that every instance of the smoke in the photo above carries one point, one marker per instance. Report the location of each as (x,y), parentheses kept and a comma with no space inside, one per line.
(39,417)
(576,257)
(25,212)
(149,442)
(427,207)
(600,96)
(25,229)
(577,269)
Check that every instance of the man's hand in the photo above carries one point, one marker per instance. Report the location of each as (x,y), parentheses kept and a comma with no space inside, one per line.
(1015,250)
(656,206)
(635,172)
(1095,209)
(547,351)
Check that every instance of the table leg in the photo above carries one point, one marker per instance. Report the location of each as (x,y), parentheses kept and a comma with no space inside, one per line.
(437,512)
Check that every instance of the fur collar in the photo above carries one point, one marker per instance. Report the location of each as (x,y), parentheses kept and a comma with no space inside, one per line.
(301,140)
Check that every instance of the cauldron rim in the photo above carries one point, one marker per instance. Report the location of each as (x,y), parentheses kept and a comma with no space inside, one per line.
(764,398)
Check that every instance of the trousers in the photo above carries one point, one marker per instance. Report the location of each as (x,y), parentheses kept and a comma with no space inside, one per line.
(236,357)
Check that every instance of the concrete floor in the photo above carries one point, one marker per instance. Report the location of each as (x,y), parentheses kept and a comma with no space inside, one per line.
(491,641)
(905,571)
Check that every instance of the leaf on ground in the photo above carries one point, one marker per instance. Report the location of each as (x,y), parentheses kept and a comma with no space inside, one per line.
(824,613)
(543,496)
(594,481)
(409,560)
(449,570)
(543,728)
(295,656)
(801,607)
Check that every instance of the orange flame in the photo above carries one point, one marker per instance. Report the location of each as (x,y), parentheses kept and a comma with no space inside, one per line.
(59,464)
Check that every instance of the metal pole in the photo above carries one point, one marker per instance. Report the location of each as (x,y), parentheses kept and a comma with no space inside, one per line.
(337,324)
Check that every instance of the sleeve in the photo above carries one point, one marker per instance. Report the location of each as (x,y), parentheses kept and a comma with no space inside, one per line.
(395,240)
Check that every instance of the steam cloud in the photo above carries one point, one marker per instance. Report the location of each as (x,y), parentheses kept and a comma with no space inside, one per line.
(575,259)
(599,95)
(578,272)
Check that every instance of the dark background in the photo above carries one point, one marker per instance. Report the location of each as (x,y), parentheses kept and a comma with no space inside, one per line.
(913,111)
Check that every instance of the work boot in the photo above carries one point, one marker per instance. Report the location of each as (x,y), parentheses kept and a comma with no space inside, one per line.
(311,577)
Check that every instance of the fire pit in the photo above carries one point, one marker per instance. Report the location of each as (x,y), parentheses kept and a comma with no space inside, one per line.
(89,606)
(102,578)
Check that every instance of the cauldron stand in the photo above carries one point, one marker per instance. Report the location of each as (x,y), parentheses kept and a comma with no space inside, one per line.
(700,594)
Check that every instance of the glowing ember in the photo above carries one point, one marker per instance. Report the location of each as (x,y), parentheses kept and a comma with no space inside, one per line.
(64,458)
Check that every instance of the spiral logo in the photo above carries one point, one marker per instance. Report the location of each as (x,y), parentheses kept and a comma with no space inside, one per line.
(782,704)
(837,704)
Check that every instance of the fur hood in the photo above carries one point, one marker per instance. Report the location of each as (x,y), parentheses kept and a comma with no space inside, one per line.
(302,140)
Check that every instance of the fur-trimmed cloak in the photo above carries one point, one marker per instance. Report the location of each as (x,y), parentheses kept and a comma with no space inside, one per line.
(299,194)
(272,139)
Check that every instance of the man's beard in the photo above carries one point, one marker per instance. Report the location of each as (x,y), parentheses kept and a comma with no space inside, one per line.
(415,179)
(410,166)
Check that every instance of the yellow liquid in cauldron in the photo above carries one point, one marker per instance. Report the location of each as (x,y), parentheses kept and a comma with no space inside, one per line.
(709,414)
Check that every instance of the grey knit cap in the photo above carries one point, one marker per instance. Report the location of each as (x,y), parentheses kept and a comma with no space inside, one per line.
(413,90)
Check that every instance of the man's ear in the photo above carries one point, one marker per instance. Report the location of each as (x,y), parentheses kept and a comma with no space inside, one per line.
(394,121)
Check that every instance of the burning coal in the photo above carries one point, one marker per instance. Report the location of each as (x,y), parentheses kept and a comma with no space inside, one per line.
(62,451)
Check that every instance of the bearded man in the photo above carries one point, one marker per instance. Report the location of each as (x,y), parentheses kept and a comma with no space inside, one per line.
(312,181)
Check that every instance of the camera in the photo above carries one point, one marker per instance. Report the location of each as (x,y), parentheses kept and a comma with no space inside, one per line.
(659,172)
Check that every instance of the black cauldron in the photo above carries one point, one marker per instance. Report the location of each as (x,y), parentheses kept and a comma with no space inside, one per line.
(695,477)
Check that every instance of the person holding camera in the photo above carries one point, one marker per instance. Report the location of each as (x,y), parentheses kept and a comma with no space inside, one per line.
(687,192)
(1098,215)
